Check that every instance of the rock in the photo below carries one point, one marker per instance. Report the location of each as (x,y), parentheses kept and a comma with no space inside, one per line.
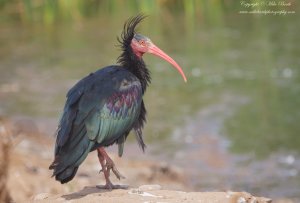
(142,193)
(244,197)
(92,194)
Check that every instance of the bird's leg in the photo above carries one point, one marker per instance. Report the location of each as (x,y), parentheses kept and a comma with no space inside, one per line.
(107,164)
(108,184)
(110,165)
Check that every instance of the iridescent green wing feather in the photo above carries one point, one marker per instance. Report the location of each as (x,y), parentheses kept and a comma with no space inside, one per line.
(115,119)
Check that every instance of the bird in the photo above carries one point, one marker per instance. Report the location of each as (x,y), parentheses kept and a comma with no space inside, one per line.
(105,106)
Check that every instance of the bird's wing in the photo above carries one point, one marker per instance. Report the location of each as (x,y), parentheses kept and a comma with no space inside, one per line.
(116,116)
(102,108)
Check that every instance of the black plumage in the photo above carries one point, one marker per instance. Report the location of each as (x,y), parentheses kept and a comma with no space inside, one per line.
(102,108)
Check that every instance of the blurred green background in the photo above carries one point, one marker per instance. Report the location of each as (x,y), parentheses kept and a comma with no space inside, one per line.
(243,77)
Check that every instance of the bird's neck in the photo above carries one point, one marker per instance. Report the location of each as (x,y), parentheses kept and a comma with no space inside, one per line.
(136,66)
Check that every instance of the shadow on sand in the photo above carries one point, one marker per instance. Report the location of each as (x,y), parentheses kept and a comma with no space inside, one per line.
(84,192)
(87,191)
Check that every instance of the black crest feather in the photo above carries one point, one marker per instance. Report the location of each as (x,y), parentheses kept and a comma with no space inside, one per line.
(129,30)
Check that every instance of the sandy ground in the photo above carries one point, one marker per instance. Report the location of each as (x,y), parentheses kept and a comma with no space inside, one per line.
(29,179)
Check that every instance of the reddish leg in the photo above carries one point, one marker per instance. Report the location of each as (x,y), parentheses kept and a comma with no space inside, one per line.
(107,164)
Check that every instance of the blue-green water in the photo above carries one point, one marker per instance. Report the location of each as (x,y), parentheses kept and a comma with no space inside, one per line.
(236,118)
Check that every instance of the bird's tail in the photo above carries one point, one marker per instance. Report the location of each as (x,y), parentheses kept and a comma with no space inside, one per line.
(68,159)
(65,175)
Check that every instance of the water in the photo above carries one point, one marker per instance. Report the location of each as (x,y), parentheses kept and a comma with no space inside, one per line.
(236,121)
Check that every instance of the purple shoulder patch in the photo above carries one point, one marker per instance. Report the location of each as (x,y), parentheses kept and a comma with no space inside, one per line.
(124,99)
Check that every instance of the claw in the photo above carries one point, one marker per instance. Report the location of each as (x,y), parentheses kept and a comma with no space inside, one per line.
(117,173)
(111,166)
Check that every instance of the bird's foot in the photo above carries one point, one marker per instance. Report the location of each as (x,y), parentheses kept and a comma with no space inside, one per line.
(110,186)
(111,166)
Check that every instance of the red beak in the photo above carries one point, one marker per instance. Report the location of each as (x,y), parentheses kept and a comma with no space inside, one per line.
(158,52)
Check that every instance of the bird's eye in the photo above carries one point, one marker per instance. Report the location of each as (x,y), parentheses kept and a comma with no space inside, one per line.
(142,42)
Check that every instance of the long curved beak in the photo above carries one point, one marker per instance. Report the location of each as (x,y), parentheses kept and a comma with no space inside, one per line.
(158,52)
